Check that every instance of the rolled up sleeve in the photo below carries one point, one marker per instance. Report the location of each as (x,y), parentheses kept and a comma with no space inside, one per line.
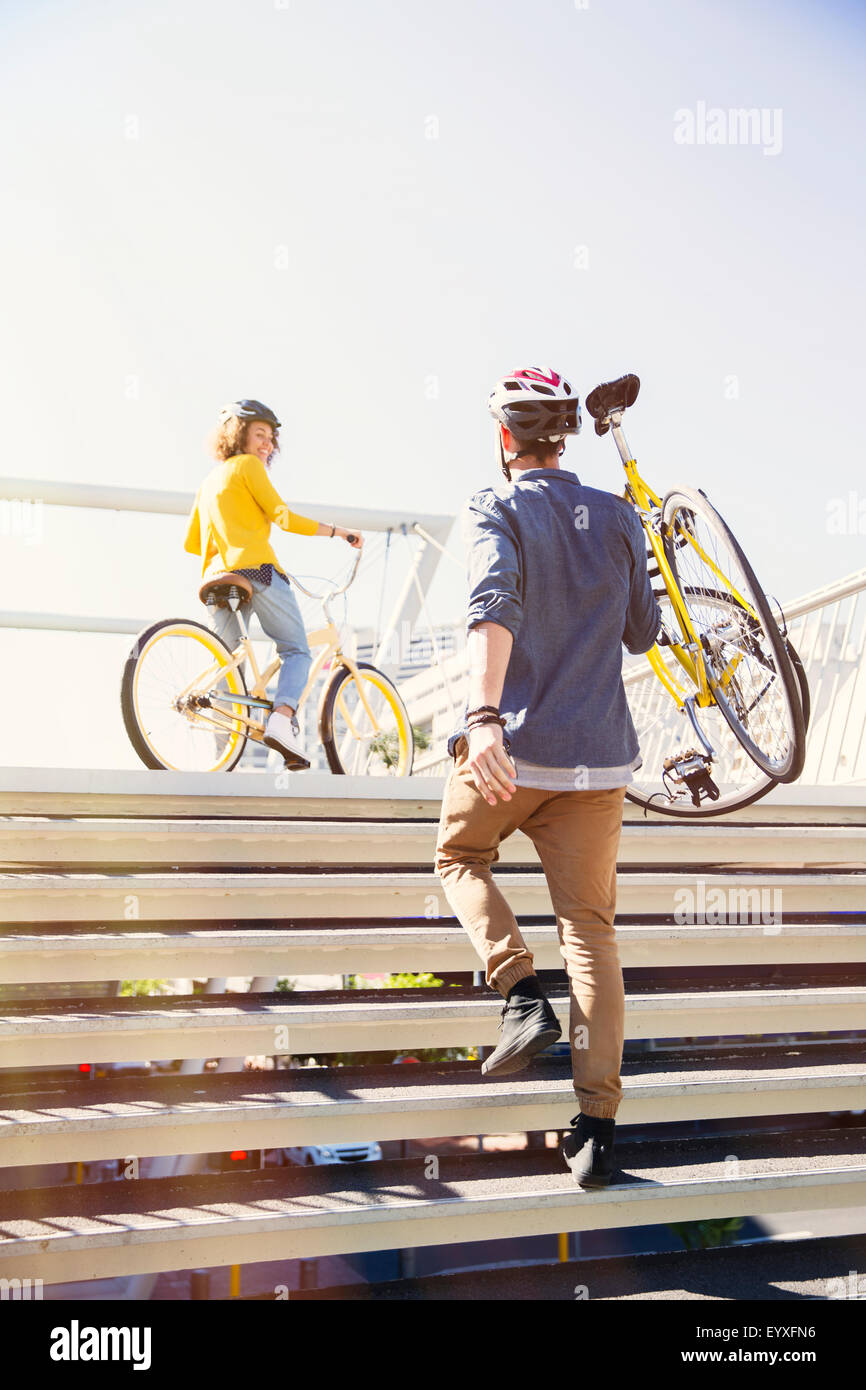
(494,568)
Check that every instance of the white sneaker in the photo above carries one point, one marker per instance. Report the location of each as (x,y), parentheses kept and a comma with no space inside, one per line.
(284,734)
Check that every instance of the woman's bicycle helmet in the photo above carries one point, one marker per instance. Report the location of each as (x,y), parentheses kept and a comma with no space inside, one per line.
(249,410)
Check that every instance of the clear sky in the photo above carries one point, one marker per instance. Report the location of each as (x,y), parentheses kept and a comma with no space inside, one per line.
(364,214)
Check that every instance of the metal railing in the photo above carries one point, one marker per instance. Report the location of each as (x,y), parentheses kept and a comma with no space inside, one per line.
(29,495)
(827,626)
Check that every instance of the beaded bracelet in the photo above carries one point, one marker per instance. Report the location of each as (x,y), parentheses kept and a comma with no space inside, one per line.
(486,719)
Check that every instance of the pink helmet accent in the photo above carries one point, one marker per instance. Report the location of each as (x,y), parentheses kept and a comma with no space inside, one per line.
(543,374)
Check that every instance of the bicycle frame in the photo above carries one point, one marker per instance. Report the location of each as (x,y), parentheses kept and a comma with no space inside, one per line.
(327,637)
(690,654)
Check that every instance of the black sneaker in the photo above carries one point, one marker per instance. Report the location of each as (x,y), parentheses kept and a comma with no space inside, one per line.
(588,1150)
(528,1025)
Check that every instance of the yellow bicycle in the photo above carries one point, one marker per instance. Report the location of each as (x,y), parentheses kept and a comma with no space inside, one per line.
(723,659)
(186,706)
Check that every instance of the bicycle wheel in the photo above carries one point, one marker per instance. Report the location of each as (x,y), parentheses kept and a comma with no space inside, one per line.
(353,744)
(663,729)
(750,673)
(172,724)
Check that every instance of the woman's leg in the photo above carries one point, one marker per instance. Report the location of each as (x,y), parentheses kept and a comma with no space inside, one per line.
(224,624)
(278,612)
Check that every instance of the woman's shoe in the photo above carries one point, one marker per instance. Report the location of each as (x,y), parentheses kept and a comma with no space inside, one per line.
(284,734)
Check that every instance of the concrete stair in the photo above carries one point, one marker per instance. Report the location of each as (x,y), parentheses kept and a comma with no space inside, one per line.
(111,876)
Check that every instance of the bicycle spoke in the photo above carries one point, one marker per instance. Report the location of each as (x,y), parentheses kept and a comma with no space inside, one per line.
(182,738)
(739,655)
(366,747)
(664,730)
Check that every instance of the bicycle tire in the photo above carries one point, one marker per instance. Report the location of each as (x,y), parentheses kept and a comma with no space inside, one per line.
(328,704)
(803,683)
(127,693)
(799,669)
(686,810)
(697,501)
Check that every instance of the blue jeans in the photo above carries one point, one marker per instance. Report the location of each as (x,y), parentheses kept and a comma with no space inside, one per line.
(277,610)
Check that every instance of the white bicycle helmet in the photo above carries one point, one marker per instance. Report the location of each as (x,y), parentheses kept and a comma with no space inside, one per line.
(534,403)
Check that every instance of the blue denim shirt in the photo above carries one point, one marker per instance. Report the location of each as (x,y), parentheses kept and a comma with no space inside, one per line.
(564,568)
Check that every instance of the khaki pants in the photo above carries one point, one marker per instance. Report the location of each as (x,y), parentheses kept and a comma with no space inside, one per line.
(576,835)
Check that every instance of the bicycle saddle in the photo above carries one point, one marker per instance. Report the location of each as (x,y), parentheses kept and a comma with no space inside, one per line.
(220,586)
(611,395)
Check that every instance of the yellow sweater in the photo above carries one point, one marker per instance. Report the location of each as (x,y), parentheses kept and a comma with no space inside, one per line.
(231,518)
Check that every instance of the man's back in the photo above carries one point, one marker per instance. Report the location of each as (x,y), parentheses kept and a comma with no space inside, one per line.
(563,567)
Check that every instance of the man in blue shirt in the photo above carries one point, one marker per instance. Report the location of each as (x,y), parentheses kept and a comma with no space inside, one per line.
(558,583)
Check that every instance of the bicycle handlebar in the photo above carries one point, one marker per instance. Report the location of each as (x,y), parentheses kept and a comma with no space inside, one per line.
(324,598)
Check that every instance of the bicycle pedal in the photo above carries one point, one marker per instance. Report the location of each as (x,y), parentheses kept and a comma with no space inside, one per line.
(692,770)
(295,764)
(293,761)
(298,766)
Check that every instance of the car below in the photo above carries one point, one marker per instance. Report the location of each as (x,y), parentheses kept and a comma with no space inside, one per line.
(310,1155)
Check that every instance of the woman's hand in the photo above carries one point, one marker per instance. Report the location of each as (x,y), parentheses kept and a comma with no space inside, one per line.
(357,541)
(492,768)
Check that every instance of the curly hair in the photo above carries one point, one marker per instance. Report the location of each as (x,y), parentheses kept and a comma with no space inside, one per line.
(230,438)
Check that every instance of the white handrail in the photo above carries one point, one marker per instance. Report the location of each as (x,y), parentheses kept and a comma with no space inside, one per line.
(832,656)
(432,528)
(133,499)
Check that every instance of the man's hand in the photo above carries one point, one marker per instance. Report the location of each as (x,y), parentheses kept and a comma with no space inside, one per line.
(356,543)
(492,768)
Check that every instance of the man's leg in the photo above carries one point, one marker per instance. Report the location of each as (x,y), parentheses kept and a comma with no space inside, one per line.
(470,830)
(577,834)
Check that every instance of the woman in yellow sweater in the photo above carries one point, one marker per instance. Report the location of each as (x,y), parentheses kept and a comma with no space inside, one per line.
(229,528)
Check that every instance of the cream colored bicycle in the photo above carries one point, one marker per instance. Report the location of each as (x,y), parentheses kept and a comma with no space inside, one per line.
(186,706)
